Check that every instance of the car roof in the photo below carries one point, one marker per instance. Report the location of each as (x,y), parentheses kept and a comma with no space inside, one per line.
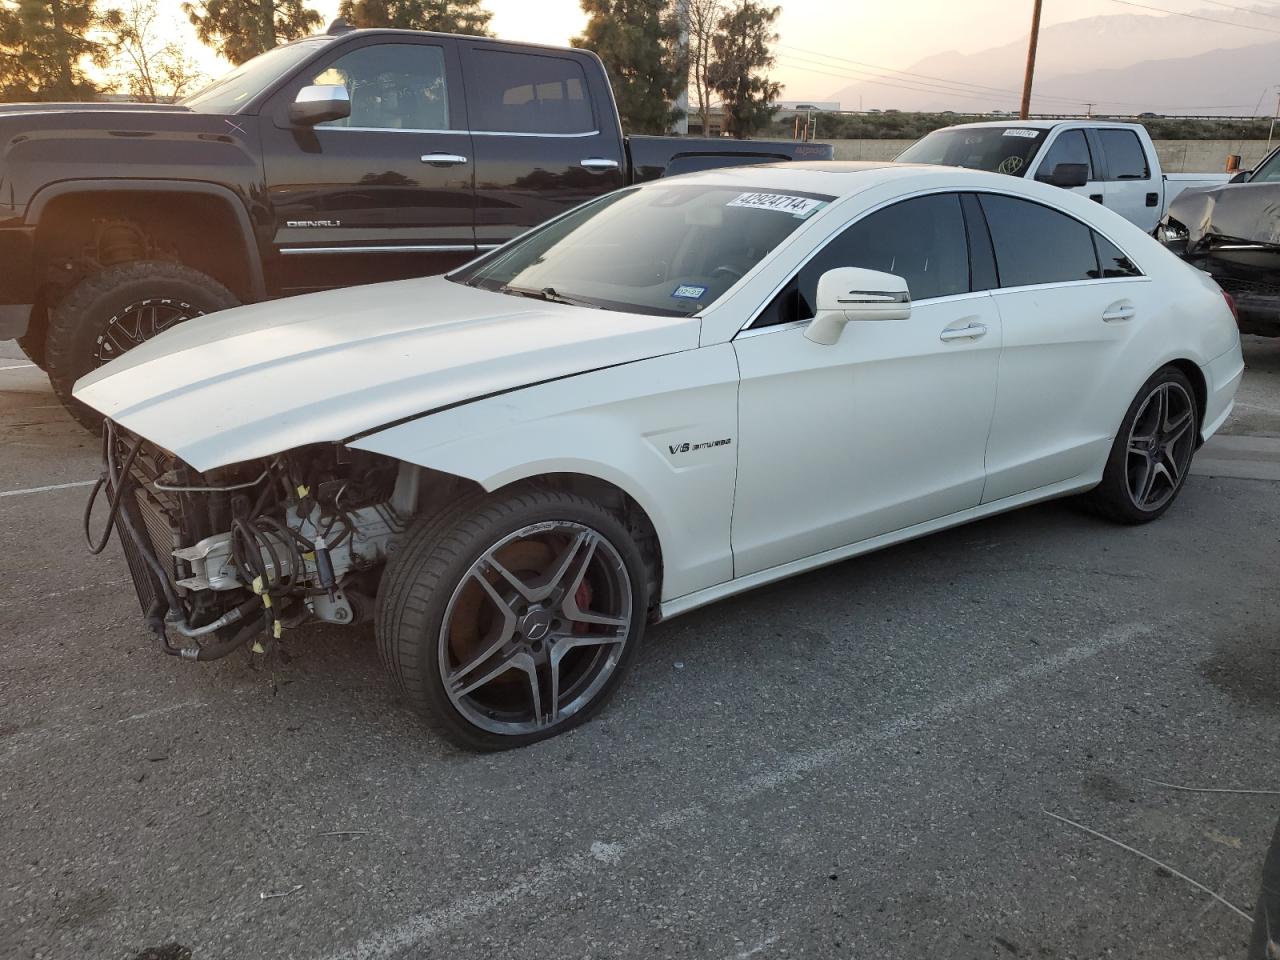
(841,178)
(1040,124)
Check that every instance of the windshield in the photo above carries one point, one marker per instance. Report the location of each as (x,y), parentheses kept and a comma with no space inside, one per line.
(235,89)
(666,250)
(998,149)
(1268,171)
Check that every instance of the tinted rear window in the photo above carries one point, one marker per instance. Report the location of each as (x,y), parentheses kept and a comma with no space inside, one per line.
(1035,244)
(528,93)
(1126,159)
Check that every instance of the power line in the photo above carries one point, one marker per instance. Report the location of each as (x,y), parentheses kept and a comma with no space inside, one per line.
(959,86)
(1232,6)
(956,88)
(1195,16)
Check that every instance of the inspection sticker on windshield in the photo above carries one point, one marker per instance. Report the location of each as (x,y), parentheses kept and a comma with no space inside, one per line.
(689,291)
(1020,132)
(799,207)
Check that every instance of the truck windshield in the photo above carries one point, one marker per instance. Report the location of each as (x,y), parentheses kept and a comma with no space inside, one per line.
(235,89)
(1268,171)
(664,250)
(998,149)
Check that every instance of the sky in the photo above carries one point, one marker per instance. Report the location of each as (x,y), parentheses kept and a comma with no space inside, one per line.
(891,35)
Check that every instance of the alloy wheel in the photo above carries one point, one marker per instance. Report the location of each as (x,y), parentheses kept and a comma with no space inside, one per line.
(535,628)
(139,322)
(1161,442)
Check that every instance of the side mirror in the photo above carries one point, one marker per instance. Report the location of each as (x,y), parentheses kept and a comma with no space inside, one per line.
(319,103)
(1066,175)
(1240,176)
(852,293)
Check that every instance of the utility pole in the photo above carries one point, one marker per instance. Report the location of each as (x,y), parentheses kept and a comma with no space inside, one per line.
(1031,61)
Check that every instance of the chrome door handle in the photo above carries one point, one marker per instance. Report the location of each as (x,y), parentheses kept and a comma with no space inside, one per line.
(972,332)
(1119,313)
(443,159)
(599,163)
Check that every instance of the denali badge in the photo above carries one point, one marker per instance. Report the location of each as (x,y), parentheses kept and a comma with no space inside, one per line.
(690,447)
(313,223)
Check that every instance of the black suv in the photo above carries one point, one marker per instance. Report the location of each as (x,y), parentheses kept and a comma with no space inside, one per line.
(353,157)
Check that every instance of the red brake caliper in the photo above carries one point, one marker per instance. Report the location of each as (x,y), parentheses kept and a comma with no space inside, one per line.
(583,599)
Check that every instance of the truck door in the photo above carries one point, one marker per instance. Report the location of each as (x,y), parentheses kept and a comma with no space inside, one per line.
(545,138)
(1071,146)
(385,193)
(1133,189)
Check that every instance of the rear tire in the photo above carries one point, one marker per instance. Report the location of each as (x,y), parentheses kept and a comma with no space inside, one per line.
(113,310)
(553,639)
(1152,451)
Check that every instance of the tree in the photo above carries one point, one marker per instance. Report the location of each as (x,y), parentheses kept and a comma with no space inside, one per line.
(242,29)
(740,52)
(446,16)
(703,17)
(148,66)
(44,45)
(641,45)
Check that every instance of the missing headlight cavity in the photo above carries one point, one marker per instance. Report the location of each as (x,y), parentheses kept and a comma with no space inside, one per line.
(241,553)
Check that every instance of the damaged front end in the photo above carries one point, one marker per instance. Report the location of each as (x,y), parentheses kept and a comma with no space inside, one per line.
(1233,234)
(238,554)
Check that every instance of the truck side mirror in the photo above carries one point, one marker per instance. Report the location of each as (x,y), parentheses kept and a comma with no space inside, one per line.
(1066,175)
(320,103)
(1241,176)
(846,294)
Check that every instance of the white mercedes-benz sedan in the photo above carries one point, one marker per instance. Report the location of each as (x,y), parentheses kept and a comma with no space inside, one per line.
(666,396)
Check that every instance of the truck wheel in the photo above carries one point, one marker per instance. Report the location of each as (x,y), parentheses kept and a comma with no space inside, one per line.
(110,312)
(514,619)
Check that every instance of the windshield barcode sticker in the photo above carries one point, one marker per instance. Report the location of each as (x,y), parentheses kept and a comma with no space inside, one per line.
(689,291)
(1020,132)
(796,206)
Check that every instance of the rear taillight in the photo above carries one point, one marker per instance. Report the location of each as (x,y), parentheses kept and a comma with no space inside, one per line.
(1231,305)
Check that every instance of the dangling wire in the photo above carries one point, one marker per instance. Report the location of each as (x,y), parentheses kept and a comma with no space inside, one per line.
(115,484)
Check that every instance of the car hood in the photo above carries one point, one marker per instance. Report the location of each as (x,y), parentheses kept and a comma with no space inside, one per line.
(257,380)
(1248,212)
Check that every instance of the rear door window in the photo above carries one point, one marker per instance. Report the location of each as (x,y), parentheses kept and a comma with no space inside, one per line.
(528,93)
(1126,160)
(1037,244)
(1112,260)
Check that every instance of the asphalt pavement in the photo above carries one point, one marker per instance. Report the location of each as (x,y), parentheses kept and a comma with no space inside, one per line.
(865,761)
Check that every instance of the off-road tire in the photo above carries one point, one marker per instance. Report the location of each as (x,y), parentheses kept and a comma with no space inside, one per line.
(1111,498)
(79,321)
(422,575)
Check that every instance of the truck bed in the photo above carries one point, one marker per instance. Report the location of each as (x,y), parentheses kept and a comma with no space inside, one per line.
(653,157)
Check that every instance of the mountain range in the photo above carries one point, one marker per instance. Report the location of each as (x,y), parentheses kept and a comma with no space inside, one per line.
(1120,64)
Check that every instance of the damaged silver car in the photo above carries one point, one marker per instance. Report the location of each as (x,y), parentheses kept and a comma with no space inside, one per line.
(1232,232)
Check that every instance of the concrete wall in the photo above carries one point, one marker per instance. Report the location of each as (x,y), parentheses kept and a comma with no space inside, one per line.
(1176,156)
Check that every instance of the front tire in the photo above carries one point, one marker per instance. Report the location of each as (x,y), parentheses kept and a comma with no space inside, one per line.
(108,313)
(1152,452)
(513,619)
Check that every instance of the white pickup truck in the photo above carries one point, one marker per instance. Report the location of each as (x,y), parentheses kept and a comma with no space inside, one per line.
(1114,164)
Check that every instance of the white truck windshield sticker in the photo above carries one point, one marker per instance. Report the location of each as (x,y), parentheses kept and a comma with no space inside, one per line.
(1019,132)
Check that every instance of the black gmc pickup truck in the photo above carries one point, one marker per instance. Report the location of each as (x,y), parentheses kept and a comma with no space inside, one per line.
(352,157)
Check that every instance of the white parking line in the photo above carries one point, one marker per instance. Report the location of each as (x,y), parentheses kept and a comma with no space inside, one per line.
(52,486)
(551,875)
(18,366)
